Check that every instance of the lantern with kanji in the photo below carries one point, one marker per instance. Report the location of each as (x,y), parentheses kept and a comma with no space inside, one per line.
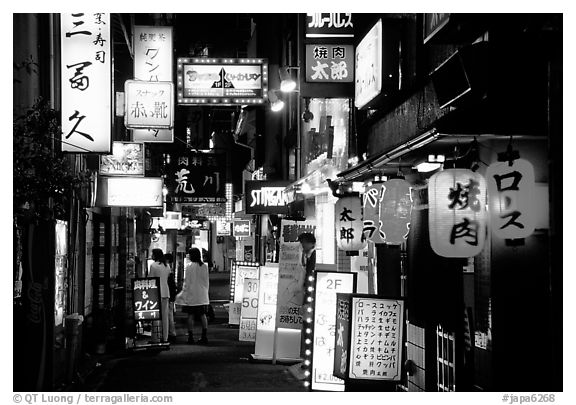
(511,189)
(372,224)
(348,213)
(395,210)
(457,214)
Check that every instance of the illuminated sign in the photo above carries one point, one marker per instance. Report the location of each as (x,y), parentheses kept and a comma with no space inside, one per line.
(153,53)
(153,135)
(329,63)
(60,272)
(266,320)
(329,25)
(349,224)
(129,192)
(368,73)
(127,159)
(86,78)
(369,336)
(327,285)
(249,312)
(222,227)
(171,220)
(395,210)
(240,272)
(149,104)
(290,286)
(266,197)
(146,298)
(208,81)
(242,227)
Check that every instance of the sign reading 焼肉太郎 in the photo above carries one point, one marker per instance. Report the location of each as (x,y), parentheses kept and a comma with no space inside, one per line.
(86,76)
(146,298)
(208,81)
(149,105)
(368,73)
(266,197)
(329,25)
(127,159)
(197,178)
(329,63)
(153,53)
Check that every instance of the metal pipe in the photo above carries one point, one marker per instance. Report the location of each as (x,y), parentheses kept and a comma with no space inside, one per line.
(298,100)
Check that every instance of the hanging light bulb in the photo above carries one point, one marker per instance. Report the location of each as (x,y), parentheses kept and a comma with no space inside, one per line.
(287,83)
(276,104)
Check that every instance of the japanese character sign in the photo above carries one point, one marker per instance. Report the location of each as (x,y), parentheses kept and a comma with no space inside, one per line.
(395,210)
(146,298)
(149,104)
(368,74)
(457,218)
(511,198)
(153,53)
(86,82)
(326,25)
(329,63)
(349,224)
(372,222)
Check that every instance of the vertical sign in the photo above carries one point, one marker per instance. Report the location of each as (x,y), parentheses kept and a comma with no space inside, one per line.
(146,298)
(290,286)
(240,272)
(328,284)
(372,220)
(61,272)
(266,320)
(342,338)
(349,224)
(368,74)
(395,210)
(249,312)
(86,76)
(153,61)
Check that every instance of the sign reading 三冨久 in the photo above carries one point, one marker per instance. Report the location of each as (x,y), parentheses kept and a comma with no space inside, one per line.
(329,25)
(329,63)
(149,105)
(197,178)
(369,336)
(146,298)
(207,81)
(266,197)
(86,75)
(153,63)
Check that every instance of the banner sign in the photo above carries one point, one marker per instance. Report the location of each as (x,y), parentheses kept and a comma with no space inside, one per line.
(327,285)
(291,278)
(208,81)
(329,25)
(127,159)
(146,298)
(329,63)
(368,74)
(149,104)
(266,197)
(197,178)
(152,53)
(86,77)
(249,312)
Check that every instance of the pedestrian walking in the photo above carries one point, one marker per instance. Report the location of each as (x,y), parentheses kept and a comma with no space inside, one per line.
(172,287)
(161,270)
(194,295)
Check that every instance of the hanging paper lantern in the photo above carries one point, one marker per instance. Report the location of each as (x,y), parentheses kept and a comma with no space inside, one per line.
(511,199)
(457,216)
(372,224)
(395,210)
(348,220)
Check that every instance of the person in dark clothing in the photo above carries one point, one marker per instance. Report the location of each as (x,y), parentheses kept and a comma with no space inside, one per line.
(172,288)
(308,242)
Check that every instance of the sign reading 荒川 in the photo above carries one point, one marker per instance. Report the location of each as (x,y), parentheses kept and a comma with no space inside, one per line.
(86,77)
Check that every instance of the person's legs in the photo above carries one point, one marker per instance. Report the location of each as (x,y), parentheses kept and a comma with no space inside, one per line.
(204,320)
(165,320)
(171,324)
(190,327)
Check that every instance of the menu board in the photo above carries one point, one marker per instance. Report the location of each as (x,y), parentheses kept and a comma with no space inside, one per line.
(327,285)
(240,271)
(290,286)
(376,338)
(249,311)
(146,298)
(266,319)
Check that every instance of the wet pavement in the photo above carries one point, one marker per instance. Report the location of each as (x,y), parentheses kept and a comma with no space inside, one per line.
(223,365)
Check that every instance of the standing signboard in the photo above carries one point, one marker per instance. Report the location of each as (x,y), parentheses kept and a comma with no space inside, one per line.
(249,312)
(266,319)
(369,337)
(240,272)
(146,298)
(290,286)
(86,77)
(327,285)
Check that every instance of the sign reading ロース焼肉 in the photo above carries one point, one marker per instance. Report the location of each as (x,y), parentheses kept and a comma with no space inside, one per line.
(208,81)
(86,75)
